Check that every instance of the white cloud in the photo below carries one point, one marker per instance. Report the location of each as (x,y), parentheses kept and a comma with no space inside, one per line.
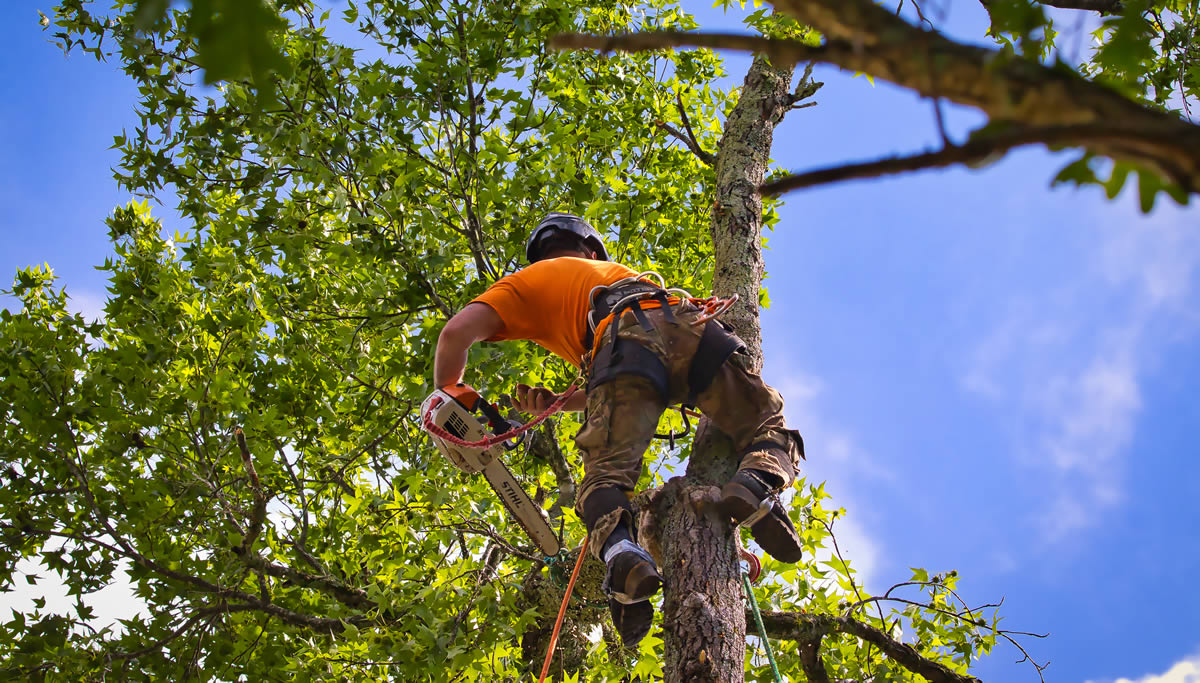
(837,459)
(1069,361)
(1157,256)
(1186,670)
(1096,408)
(826,444)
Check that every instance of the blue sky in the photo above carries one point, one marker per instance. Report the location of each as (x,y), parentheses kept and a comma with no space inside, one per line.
(993,376)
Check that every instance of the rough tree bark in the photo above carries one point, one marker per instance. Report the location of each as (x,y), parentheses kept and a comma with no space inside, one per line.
(704,626)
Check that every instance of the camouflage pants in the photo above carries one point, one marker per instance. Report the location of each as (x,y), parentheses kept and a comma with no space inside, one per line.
(622,416)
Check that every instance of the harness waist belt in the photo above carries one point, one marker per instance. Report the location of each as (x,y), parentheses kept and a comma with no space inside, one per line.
(604,299)
(616,298)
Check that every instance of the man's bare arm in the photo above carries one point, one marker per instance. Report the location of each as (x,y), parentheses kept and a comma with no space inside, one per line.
(472,324)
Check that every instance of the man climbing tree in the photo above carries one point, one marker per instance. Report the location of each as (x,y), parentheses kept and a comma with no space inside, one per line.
(642,350)
(236,441)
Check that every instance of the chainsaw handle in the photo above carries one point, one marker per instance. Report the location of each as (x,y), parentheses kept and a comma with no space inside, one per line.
(468,397)
(499,424)
(515,442)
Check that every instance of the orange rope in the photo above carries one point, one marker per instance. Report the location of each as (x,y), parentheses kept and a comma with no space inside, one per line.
(562,611)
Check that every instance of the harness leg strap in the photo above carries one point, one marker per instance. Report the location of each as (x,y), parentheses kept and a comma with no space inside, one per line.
(717,344)
(627,357)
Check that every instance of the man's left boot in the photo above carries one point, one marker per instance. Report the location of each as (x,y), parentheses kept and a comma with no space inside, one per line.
(631,621)
(632,576)
(630,582)
(750,501)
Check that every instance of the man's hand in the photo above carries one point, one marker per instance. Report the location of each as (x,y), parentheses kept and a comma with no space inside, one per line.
(533,400)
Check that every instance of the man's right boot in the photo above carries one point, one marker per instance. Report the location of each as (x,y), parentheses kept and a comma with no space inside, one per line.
(630,582)
(749,500)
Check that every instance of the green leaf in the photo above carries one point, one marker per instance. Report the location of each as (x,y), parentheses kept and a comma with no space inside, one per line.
(1150,184)
(1112,187)
(1078,172)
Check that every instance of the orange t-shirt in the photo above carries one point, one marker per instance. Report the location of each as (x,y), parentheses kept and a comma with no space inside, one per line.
(547,302)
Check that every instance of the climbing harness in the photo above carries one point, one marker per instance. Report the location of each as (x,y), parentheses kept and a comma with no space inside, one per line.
(448,415)
(610,301)
(562,611)
(750,575)
(605,362)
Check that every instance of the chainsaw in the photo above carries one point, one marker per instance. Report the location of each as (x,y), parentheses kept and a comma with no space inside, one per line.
(450,416)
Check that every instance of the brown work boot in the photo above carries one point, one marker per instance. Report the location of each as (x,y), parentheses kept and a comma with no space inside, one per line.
(632,576)
(631,579)
(632,622)
(748,500)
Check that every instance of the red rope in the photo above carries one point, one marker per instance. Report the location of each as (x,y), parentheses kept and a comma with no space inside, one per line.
(562,611)
(752,560)
(427,423)
(712,307)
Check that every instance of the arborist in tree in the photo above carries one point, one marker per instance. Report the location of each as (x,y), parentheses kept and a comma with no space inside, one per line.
(641,353)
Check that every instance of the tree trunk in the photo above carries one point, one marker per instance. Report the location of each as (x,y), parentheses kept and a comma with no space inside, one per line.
(704,625)
(737,209)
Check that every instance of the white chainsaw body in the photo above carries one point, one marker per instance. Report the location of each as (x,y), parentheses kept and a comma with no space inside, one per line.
(451,416)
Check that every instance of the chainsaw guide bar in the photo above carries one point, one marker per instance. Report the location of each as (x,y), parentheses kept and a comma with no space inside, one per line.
(447,413)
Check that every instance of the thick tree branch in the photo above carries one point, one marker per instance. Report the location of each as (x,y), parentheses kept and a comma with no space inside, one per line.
(693,144)
(544,446)
(180,630)
(810,660)
(901,653)
(863,37)
(347,595)
(259,514)
(805,627)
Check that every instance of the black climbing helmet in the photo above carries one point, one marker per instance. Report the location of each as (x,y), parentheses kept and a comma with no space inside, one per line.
(563,222)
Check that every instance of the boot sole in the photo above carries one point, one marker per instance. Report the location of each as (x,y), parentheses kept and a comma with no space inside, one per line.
(775,535)
(632,622)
